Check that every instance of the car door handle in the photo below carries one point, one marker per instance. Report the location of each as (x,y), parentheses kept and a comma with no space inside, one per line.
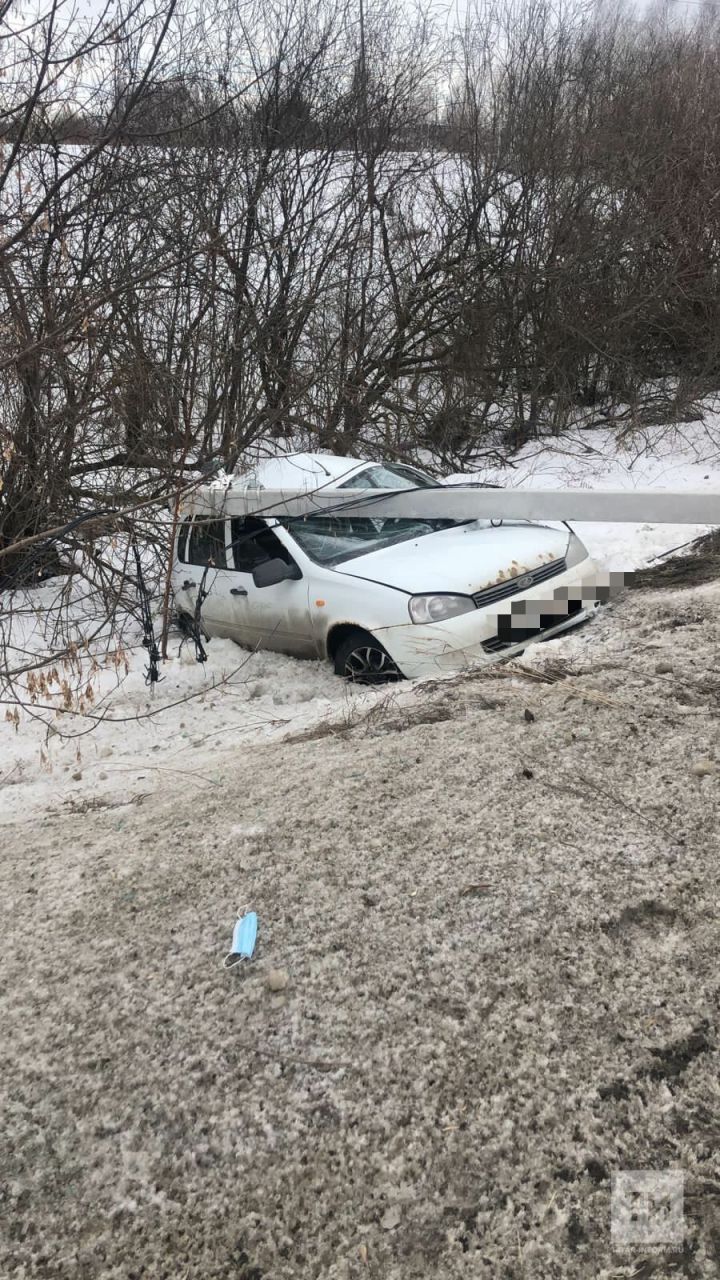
(188,585)
(238,591)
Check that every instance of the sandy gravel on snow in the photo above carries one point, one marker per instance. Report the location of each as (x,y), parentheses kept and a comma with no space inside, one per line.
(501,938)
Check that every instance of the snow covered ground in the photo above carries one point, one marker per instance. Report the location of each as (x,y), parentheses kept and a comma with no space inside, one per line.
(141,743)
(485,982)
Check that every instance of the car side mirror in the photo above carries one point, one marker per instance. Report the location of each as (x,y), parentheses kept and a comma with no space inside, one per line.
(271,572)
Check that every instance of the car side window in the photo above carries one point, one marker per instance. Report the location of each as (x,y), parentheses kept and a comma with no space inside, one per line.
(362,481)
(253,543)
(206,544)
(393,476)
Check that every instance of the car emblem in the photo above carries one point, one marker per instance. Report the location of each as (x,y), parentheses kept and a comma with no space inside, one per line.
(524,582)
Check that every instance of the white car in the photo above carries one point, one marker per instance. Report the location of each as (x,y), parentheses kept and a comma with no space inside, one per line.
(381,598)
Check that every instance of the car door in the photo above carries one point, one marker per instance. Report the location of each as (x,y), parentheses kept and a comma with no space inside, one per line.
(276,617)
(206,549)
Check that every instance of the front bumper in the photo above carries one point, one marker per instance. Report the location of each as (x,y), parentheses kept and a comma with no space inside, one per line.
(483,636)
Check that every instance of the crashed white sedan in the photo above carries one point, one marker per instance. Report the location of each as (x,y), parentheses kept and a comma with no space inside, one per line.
(381,598)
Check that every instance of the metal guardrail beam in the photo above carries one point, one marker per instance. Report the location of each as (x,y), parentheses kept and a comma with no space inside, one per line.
(467,502)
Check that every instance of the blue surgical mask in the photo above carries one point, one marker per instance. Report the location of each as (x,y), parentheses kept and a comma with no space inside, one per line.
(243,939)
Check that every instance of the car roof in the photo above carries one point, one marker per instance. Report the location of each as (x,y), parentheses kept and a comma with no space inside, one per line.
(297,470)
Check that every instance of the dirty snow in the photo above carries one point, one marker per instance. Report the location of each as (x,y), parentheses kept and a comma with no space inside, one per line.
(495,902)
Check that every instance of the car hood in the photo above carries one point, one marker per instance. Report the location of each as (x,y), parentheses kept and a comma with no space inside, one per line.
(464,559)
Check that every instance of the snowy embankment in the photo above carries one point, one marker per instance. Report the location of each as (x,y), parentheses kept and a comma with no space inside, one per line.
(485,981)
(141,744)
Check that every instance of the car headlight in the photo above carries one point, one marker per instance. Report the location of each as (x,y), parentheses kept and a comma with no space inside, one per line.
(438,608)
(576,551)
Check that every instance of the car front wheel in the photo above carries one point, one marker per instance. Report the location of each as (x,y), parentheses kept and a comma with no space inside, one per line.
(362,659)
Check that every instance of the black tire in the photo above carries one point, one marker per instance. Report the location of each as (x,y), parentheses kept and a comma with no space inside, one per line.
(362,659)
